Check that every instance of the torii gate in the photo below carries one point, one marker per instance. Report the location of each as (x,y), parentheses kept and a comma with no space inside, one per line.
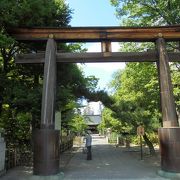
(46,139)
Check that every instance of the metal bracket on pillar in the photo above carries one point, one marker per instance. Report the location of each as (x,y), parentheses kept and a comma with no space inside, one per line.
(168,107)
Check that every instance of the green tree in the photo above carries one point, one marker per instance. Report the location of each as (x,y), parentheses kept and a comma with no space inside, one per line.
(77,124)
(21,85)
(137,97)
(139,93)
(108,121)
(30,14)
(147,13)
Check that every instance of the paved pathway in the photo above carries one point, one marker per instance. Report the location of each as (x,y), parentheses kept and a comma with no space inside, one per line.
(108,162)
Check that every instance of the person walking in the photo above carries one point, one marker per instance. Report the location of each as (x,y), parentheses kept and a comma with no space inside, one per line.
(88,139)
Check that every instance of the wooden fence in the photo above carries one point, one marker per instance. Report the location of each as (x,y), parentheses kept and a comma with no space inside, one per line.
(24,157)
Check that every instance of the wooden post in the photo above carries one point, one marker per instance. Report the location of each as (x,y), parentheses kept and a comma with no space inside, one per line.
(169,134)
(46,139)
(141,147)
(49,87)
(106,47)
(169,114)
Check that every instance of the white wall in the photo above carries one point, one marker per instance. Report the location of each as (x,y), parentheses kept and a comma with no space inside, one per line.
(92,108)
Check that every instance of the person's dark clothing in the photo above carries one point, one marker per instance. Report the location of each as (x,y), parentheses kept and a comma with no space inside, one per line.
(89,154)
(88,146)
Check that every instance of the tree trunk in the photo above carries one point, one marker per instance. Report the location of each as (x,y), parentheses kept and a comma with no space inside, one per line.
(149,144)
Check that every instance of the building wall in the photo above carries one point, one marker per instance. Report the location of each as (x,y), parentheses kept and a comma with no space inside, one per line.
(93,119)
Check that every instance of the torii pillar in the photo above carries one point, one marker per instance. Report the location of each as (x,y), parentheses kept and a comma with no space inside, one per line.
(169,134)
(46,139)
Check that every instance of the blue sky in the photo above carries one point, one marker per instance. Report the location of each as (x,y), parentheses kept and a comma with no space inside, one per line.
(96,13)
(92,13)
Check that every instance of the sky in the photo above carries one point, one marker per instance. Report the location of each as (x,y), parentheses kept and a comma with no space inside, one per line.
(92,13)
(96,13)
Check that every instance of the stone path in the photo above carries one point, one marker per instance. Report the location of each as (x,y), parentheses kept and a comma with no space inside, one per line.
(109,162)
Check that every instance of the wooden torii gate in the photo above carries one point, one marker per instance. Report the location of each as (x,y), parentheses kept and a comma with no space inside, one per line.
(46,139)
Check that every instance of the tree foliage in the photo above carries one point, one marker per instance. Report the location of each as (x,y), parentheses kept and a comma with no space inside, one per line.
(108,121)
(77,124)
(150,13)
(136,92)
(21,85)
(137,95)
(147,12)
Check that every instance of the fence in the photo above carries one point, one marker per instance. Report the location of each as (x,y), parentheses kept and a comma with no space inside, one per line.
(66,144)
(119,139)
(18,157)
(112,138)
(24,156)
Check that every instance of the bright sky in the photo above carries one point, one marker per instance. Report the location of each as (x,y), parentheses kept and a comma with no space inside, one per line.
(96,13)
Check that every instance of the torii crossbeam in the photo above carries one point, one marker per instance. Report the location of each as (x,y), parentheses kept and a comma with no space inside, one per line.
(98,34)
(97,57)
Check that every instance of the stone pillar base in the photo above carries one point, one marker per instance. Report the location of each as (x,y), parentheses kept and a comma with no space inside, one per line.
(170,149)
(59,176)
(3,172)
(169,175)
